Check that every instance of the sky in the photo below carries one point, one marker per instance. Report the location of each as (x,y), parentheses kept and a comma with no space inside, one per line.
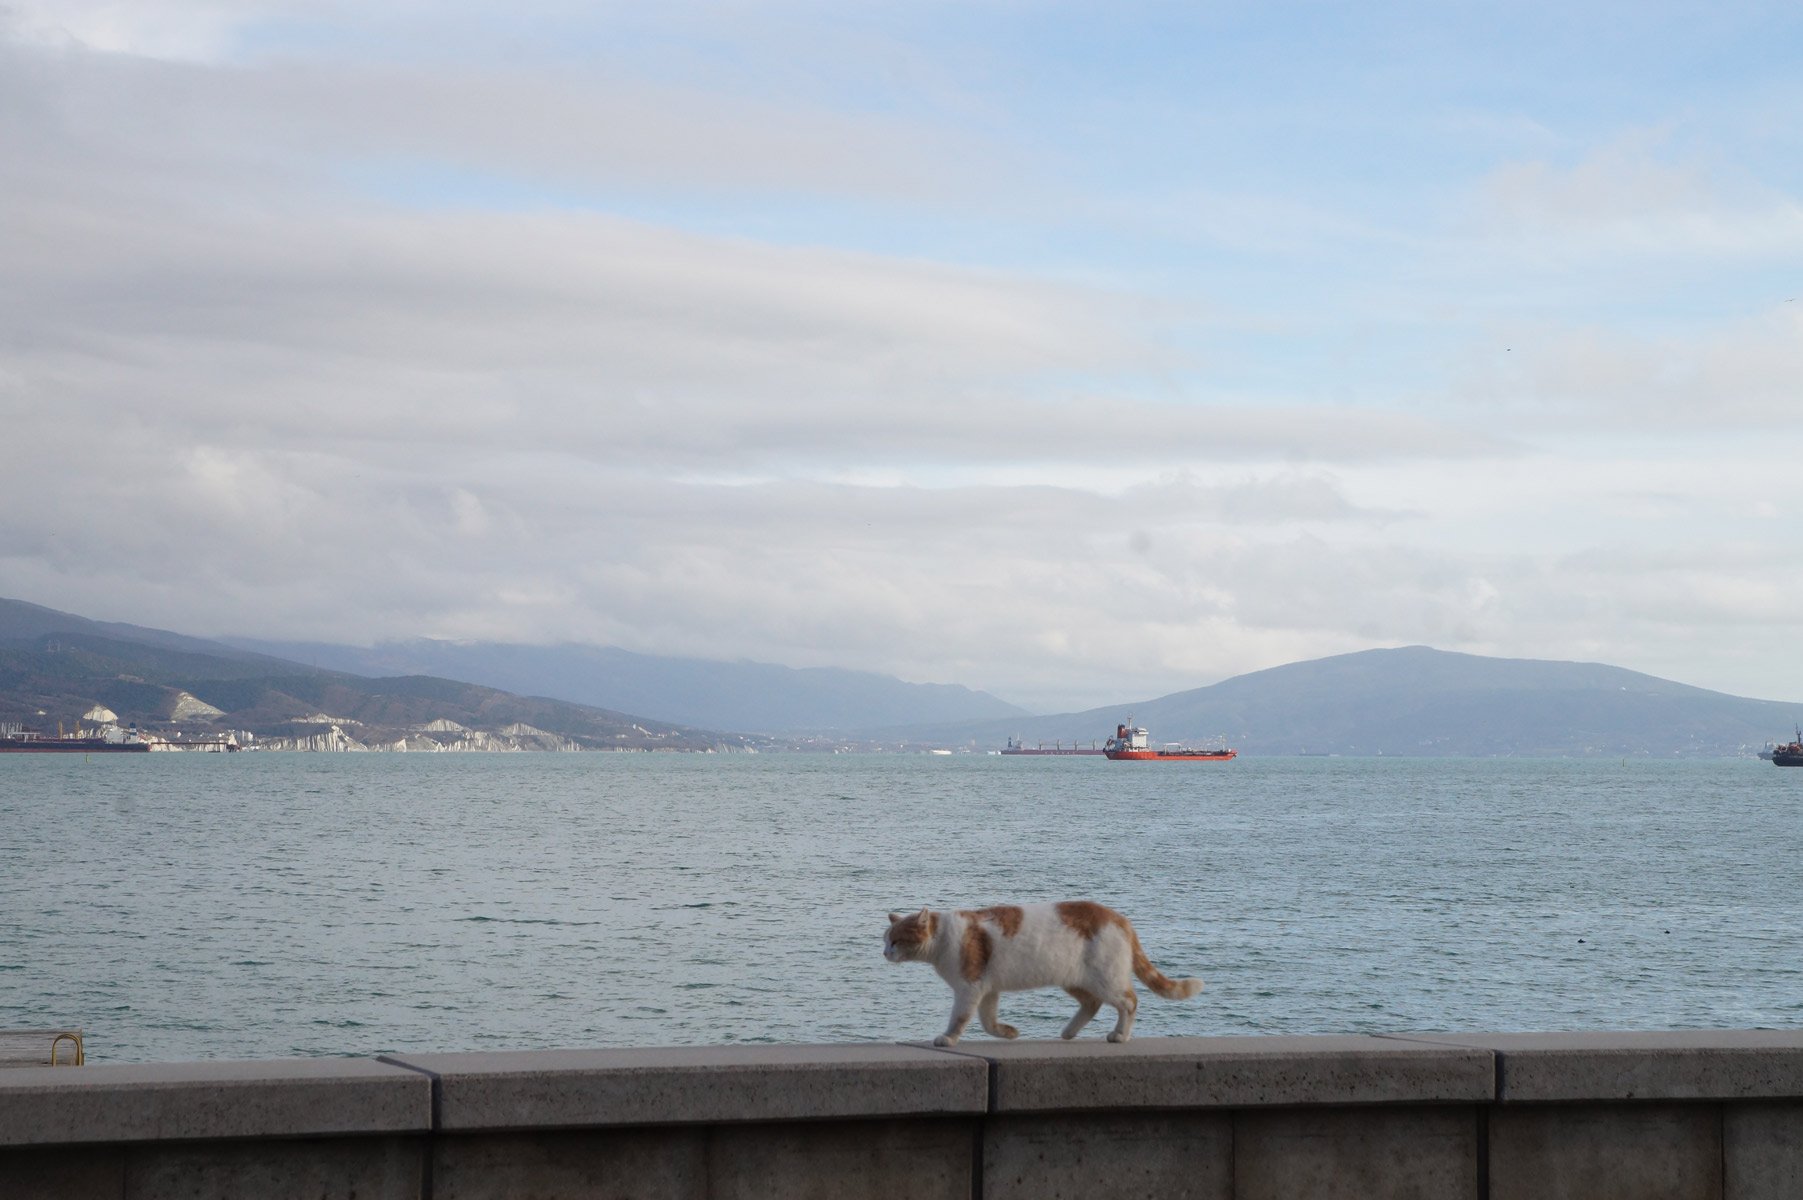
(1076,352)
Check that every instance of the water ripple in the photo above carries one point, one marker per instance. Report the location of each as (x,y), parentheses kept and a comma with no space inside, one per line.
(260,904)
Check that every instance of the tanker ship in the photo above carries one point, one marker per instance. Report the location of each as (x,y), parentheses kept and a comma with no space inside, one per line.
(1132,744)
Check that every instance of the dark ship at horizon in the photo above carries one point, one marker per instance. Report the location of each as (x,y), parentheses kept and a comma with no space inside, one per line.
(16,739)
(1788,755)
(1016,746)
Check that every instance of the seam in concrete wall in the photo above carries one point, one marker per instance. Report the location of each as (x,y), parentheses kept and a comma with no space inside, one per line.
(979,1132)
(1233,1153)
(1721,1141)
(425,1180)
(1483,1152)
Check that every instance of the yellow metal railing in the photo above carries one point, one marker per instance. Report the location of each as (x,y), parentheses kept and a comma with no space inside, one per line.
(58,1040)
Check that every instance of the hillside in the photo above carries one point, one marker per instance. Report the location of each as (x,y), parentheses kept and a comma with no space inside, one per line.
(1421,701)
(761,697)
(1410,701)
(22,621)
(50,677)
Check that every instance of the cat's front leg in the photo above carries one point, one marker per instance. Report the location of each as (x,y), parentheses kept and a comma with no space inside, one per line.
(964,1006)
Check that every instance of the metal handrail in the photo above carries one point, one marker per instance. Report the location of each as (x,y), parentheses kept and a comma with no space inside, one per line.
(80,1058)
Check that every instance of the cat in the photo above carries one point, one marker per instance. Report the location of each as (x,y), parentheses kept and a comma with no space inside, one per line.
(1085,948)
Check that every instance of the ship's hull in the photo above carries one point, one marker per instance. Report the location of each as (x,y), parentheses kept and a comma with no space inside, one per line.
(72,746)
(1787,758)
(1059,753)
(1171,755)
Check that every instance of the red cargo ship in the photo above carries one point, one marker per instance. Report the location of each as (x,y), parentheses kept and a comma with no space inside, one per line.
(1132,745)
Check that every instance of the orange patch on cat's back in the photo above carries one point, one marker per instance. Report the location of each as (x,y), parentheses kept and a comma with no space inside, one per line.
(1008,916)
(973,954)
(1086,918)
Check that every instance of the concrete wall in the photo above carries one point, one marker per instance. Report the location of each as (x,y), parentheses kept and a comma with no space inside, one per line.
(1694,1115)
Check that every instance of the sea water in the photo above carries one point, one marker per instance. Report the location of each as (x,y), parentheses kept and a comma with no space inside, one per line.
(251,905)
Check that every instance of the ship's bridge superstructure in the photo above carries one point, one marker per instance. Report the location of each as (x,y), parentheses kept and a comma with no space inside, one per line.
(1127,737)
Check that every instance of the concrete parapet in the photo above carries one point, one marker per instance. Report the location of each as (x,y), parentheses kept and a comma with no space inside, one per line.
(353,1168)
(1357,1153)
(1762,1151)
(1230,1072)
(559,1089)
(203,1100)
(1606,1152)
(913,1159)
(1088,1156)
(1684,1116)
(63,1173)
(1722,1064)
(644,1163)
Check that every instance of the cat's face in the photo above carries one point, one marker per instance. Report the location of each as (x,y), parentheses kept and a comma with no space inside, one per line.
(907,936)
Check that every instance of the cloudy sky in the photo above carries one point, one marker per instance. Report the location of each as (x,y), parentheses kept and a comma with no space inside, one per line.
(1076,352)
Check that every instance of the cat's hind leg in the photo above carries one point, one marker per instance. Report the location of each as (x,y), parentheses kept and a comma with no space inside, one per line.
(1125,1007)
(992,1024)
(964,1007)
(1091,1005)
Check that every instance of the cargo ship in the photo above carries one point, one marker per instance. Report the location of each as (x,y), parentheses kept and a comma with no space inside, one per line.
(1788,755)
(1016,746)
(15,740)
(1132,744)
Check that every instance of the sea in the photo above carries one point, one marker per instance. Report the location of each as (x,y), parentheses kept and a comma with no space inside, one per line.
(188,906)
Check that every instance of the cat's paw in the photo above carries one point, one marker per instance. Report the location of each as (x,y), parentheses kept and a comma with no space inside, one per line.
(1118,1036)
(944,1040)
(1068,1034)
(1007,1031)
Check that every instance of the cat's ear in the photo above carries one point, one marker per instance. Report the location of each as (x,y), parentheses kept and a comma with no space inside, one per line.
(925,912)
(894,917)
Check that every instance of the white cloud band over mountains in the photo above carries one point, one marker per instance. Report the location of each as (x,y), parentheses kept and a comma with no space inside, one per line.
(848,340)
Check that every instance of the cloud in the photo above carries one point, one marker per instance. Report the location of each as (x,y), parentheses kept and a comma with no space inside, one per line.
(278,406)
(472,131)
(371,337)
(1625,199)
(1061,596)
(1615,183)
(172,29)
(611,339)
(1741,374)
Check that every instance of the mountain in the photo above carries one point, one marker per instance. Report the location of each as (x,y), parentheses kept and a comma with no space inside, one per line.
(55,668)
(20,621)
(1410,701)
(1421,701)
(746,696)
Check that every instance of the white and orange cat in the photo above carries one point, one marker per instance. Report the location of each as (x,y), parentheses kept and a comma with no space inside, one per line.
(1085,948)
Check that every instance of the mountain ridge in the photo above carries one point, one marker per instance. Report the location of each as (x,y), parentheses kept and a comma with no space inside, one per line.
(56,667)
(746,696)
(1412,700)
(1416,700)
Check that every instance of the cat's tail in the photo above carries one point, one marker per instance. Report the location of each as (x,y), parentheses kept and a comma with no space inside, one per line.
(1158,981)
